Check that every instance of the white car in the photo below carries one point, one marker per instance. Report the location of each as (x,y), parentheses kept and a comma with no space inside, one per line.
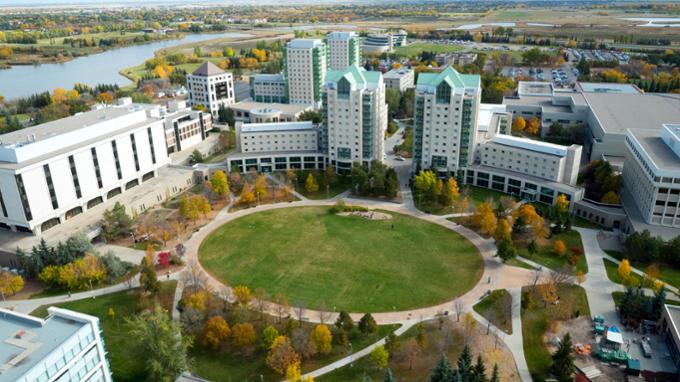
(399,158)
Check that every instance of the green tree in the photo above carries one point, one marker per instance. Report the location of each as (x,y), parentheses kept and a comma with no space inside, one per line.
(442,372)
(506,250)
(344,322)
(161,341)
(367,324)
(479,371)
(116,222)
(392,344)
(311,115)
(220,184)
(147,276)
(380,357)
(563,360)
(393,99)
(465,364)
(389,377)
(196,157)
(421,339)
(269,334)
(494,374)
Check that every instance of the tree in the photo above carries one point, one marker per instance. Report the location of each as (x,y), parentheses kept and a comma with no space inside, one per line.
(331,176)
(310,184)
(311,115)
(216,331)
(465,364)
(322,339)
(260,186)
(282,306)
(247,195)
(534,126)
(562,203)
(392,344)
(219,183)
(506,250)
(421,339)
(559,248)
(282,355)
(269,334)
(116,222)
(442,372)
(485,218)
(367,324)
(451,192)
(10,283)
(478,371)
(379,357)
(344,322)
(611,197)
(563,360)
(164,259)
(242,294)
(243,334)
(392,99)
(188,210)
(503,230)
(389,377)
(196,157)
(293,372)
(412,350)
(625,270)
(494,374)
(147,276)
(519,124)
(161,341)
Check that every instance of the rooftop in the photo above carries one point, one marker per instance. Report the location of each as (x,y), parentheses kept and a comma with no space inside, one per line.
(427,82)
(340,35)
(26,340)
(606,87)
(358,77)
(276,126)
(303,43)
(268,77)
(659,155)
(208,69)
(291,108)
(486,114)
(397,73)
(530,144)
(618,112)
(533,88)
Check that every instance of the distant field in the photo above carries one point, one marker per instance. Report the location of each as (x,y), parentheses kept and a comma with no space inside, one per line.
(419,47)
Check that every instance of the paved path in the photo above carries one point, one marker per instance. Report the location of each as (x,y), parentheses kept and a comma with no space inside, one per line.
(515,341)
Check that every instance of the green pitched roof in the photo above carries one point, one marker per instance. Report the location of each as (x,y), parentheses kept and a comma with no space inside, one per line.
(357,77)
(451,76)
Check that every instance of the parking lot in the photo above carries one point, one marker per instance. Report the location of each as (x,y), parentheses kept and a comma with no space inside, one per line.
(563,76)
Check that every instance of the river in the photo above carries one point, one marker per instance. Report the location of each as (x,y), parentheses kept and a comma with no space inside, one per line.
(100,68)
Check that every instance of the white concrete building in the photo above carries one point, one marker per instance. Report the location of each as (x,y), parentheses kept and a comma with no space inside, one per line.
(66,346)
(278,146)
(211,87)
(257,112)
(377,43)
(651,174)
(355,117)
(184,128)
(52,172)
(399,79)
(268,88)
(445,120)
(344,49)
(304,70)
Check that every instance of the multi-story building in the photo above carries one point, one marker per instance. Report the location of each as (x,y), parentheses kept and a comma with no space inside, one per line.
(461,59)
(385,42)
(445,120)
(51,172)
(277,146)
(355,117)
(184,128)
(211,87)
(651,174)
(304,70)
(256,112)
(344,49)
(268,88)
(66,346)
(399,79)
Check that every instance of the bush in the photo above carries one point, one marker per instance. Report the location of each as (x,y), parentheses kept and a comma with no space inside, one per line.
(340,206)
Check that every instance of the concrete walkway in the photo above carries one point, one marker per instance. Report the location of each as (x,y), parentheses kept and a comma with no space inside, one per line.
(515,341)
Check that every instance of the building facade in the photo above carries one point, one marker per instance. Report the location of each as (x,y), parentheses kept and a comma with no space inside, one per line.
(268,88)
(66,346)
(651,174)
(355,117)
(445,119)
(344,49)
(211,87)
(52,172)
(304,70)
(257,112)
(399,79)
(184,128)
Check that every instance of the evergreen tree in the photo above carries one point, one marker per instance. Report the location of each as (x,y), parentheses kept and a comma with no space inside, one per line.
(389,377)
(147,276)
(344,322)
(367,324)
(442,372)
(465,366)
(479,371)
(563,360)
(494,374)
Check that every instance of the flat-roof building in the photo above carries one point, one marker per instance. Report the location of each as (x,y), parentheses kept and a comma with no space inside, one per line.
(399,79)
(304,70)
(260,112)
(65,346)
(268,88)
(211,87)
(344,49)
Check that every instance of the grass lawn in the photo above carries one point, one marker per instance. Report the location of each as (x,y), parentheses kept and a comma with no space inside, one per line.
(418,47)
(535,322)
(127,364)
(546,257)
(613,273)
(669,274)
(476,194)
(341,185)
(348,262)
(229,366)
(497,308)
(515,262)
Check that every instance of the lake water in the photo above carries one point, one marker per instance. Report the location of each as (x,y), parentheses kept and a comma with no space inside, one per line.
(101,68)
(656,22)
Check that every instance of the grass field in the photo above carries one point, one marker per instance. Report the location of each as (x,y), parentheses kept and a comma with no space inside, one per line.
(496,308)
(613,273)
(350,263)
(669,274)
(546,257)
(126,363)
(535,322)
(418,47)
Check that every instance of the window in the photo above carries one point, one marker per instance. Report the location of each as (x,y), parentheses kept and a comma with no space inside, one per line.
(74,176)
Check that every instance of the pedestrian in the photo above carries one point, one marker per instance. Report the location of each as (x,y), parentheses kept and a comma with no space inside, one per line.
(69,294)
(168,275)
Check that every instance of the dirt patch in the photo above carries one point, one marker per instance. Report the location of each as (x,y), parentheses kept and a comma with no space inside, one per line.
(370,215)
